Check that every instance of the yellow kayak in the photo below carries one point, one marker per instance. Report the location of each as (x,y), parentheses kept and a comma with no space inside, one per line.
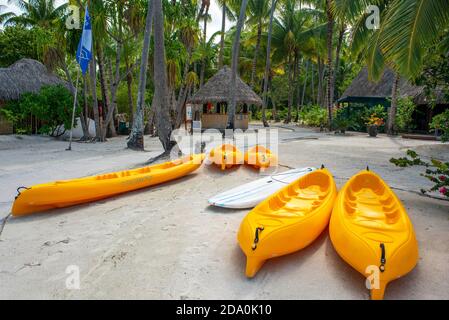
(226,156)
(66,193)
(260,157)
(371,231)
(288,220)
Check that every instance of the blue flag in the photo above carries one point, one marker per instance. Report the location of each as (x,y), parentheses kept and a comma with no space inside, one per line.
(84,52)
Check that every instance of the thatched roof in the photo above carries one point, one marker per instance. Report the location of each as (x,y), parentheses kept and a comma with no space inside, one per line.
(25,75)
(217,90)
(362,87)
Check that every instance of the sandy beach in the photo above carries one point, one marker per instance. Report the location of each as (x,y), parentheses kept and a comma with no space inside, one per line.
(165,242)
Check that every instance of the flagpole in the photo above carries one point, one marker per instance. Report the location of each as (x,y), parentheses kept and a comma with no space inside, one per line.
(74,108)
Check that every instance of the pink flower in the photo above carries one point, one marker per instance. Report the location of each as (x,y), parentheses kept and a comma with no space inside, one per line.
(444,191)
(442,178)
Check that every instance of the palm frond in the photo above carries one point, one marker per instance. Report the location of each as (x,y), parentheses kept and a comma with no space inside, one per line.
(374,57)
(5,17)
(410,26)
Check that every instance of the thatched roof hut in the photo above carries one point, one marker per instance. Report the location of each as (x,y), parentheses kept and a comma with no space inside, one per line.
(25,75)
(363,90)
(217,89)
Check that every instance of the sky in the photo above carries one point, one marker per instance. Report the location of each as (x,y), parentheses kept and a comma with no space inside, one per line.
(212,27)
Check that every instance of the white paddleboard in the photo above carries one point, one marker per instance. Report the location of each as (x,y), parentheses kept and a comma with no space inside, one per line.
(250,194)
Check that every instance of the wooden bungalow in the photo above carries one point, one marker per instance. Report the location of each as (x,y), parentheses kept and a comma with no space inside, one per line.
(210,102)
(25,75)
(363,92)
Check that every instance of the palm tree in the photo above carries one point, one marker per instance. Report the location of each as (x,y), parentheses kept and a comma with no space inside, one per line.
(206,18)
(267,64)
(407,29)
(42,13)
(226,12)
(330,61)
(163,123)
(292,34)
(234,65)
(188,35)
(136,138)
(285,45)
(258,11)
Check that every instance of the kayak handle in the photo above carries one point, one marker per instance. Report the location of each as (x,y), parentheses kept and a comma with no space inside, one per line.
(18,191)
(382,258)
(256,237)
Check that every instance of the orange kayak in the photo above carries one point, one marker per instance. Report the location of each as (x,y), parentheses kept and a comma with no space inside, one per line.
(288,220)
(372,232)
(226,156)
(260,157)
(65,193)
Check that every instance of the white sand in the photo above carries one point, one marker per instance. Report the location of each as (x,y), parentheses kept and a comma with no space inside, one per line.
(167,243)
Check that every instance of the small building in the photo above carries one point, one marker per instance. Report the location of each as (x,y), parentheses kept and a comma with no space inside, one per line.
(211,101)
(363,92)
(25,75)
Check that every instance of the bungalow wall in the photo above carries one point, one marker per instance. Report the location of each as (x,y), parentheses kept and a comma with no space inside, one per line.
(214,116)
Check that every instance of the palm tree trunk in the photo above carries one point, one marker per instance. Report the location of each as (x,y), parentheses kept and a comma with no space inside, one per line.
(129,83)
(136,141)
(181,106)
(330,32)
(110,132)
(268,67)
(102,78)
(223,28)
(183,90)
(116,81)
(200,13)
(320,96)
(298,86)
(305,84)
(234,65)
(163,123)
(86,106)
(391,122)
(274,111)
(93,89)
(290,90)
(313,84)
(337,56)
(203,61)
(256,52)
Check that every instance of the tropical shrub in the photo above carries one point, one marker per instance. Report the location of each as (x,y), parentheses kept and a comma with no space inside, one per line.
(283,112)
(357,117)
(374,120)
(441,122)
(437,171)
(258,114)
(52,106)
(375,116)
(314,116)
(340,121)
(404,115)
